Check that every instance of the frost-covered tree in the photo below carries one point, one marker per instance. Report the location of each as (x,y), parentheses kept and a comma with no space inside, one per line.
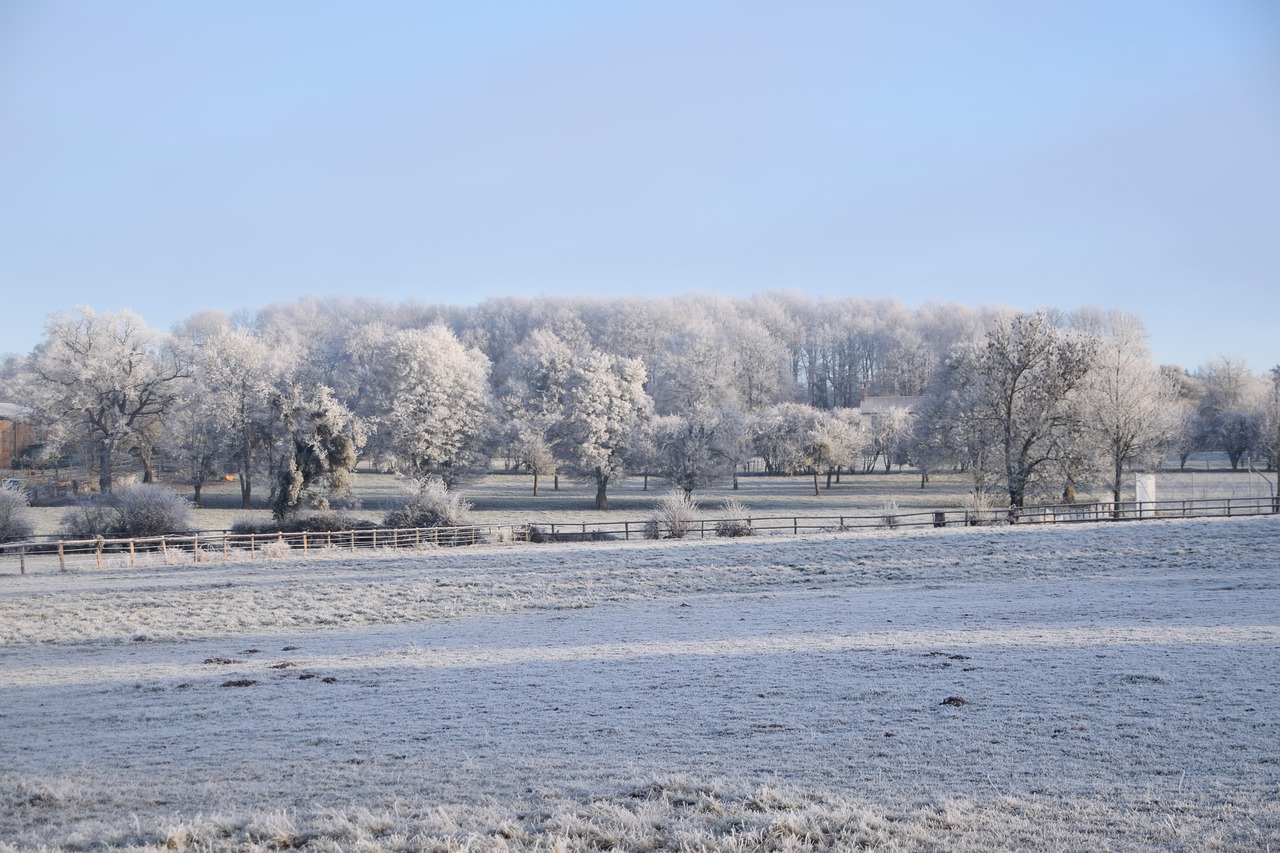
(699,449)
(233,379)
(1271,419)
(606,408)
(759,364)
(105,379)
(780,436)
(194,441)
(321,441)
(888,437)
(1131,412)
(438,416)
(1014,394)
(837,441)
(693,371)
(1230,408)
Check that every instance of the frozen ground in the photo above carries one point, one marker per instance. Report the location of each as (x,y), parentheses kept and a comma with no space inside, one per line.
(1092,687)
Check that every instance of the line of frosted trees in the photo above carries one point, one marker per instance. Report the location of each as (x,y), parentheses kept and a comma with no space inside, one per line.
(688,389)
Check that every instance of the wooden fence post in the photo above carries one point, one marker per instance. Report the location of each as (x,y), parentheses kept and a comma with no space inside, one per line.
(164,550)
(195,548)
(22,559)
(62,558)
(99,551)
(132,554)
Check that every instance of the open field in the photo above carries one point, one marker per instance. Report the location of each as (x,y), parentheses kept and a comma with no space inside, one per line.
(508,498)
(1094,687)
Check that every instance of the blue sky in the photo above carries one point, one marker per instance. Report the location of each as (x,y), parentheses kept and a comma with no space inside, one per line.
(174,157)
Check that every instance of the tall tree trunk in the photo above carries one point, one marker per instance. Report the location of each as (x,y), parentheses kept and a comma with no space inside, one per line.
(602,498)
(815,481)
(535,482)
(148,472)
(197,485)
(1115,491)
(246,491)
(105,459)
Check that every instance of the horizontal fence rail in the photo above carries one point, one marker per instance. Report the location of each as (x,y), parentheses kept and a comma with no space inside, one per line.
(225,546)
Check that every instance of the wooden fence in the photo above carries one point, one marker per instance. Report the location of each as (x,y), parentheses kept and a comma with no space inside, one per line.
(224,546)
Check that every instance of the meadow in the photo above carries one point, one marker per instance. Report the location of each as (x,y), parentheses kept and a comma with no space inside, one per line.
(1093,687)
(507,497)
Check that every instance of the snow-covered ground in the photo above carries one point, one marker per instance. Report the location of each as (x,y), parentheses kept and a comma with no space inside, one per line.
(1097,687)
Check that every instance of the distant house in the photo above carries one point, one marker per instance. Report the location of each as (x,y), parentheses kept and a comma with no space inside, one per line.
(17,434)
(874,408)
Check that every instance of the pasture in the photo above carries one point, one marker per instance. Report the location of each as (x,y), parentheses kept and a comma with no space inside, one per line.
(507,498)
(1095,687)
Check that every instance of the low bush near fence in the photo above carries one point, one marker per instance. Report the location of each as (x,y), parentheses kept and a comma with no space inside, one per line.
(674,515)
(312,522)
(734,521)
(137,511)
(15,515)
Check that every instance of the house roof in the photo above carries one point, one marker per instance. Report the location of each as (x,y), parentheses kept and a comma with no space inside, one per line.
(14,412)
(880,405)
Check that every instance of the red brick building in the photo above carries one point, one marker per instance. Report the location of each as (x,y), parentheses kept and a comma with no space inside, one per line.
(17,434)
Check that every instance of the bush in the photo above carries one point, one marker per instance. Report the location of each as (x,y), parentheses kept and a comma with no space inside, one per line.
(90,517)
(981,510)
(429,503)
(151,510)
(889,513)
(312,522)
(15,515)
(133,512)
(674,515)
(734,519)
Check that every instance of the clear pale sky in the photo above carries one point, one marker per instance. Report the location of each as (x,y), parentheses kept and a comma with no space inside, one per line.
(171,157)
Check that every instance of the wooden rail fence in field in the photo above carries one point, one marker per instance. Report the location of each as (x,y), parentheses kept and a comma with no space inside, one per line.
(225,546)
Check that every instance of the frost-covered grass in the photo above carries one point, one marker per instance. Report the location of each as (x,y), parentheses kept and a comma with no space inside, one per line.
(508,498)
(1090,688)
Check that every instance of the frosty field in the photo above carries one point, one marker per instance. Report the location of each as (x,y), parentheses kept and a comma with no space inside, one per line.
(1094,687)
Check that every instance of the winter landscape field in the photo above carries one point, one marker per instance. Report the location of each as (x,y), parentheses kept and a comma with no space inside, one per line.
(1094,687)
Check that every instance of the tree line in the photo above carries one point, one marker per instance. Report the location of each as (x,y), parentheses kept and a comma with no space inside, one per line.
(287,398)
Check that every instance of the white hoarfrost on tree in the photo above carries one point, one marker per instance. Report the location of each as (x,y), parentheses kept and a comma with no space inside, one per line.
(438,418)
(234,376)
(104,380)
(700,449)
(1016,391)
(1231,405)
(606,409)
(318,441)
(1130,408)
(781,436)
(843,439)
(533,398)
(889,436)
